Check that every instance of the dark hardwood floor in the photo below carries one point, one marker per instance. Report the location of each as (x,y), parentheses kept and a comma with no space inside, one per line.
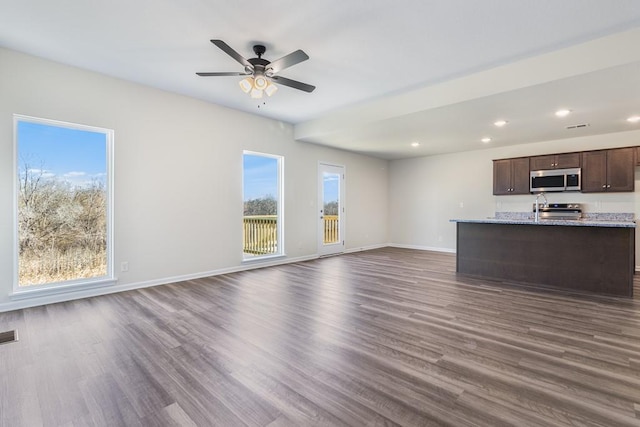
(377,338)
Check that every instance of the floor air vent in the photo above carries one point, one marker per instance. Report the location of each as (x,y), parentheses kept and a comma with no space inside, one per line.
(9,336)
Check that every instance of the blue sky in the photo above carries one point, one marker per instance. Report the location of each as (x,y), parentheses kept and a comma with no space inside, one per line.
(260,176)
(72,155)
(260,179)
(331,188)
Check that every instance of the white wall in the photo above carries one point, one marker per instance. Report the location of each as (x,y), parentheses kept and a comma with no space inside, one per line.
(425,193)
(178,178)
(178,174)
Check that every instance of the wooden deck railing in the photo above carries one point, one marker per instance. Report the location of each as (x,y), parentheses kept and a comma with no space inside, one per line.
(331,229)
(260,234)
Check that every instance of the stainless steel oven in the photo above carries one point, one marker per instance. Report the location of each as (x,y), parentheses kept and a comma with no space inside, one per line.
(559,211)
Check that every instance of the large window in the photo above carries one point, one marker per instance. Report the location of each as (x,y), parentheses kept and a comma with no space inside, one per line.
(63,204)
(262,196)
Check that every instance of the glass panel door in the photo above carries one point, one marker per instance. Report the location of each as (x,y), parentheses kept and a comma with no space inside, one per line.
(331,209)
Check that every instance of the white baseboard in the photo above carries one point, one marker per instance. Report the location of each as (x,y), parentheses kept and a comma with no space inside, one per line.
(87,293)
(365,248)
(422,248)
(105,290)
(75,294)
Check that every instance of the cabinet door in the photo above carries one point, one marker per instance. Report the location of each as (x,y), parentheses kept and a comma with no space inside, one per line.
(620,169)
(502,177)
(542,162)
(520,176)
(555,161)
(594,171)
(568,160)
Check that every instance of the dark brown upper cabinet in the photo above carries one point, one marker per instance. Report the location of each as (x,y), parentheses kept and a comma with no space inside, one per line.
(608,170)
(555,161)
(511,176)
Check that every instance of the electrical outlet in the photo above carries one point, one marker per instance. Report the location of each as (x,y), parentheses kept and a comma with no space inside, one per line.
(124,266)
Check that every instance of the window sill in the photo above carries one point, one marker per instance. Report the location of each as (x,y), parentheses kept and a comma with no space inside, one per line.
(36,292)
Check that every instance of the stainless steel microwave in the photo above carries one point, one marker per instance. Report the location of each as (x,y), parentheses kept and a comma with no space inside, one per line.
(555,180)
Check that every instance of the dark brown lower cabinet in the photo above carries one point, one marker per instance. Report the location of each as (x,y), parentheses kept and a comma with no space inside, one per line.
(580,258)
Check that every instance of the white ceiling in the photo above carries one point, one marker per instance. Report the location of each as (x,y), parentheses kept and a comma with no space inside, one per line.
(387,73)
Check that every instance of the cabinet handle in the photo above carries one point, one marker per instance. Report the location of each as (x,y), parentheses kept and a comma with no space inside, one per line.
(608,185)
(604,185)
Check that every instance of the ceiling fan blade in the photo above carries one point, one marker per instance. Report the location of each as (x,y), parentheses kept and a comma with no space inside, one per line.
(232,53)
(223,74)
(293,83)
(287,61)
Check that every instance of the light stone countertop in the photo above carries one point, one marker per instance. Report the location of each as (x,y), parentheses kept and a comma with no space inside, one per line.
(548,222)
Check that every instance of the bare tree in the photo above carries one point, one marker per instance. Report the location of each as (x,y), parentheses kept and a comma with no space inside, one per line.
(57,220)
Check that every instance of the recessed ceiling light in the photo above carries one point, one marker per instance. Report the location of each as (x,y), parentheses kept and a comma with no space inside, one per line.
(500,123)
(415,144)
(563,113)
(486,140)
(634,119)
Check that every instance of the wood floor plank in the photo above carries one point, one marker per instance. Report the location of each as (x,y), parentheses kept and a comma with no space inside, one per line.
(387,337)
(169,416)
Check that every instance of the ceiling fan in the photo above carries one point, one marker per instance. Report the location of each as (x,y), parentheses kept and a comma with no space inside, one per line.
(262,73)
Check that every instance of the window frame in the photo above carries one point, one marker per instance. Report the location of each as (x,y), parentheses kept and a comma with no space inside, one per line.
(53,288)
(279,207)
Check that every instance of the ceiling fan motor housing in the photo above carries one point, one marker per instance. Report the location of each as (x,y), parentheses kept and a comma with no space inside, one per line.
(259,66)
(259,50)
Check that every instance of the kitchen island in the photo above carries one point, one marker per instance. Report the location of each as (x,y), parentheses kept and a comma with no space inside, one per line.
(578,255)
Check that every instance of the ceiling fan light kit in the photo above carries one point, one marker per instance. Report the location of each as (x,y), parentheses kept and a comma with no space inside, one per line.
(246,84)
(260,82)
(261,72)
(255,87)
(271,89)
